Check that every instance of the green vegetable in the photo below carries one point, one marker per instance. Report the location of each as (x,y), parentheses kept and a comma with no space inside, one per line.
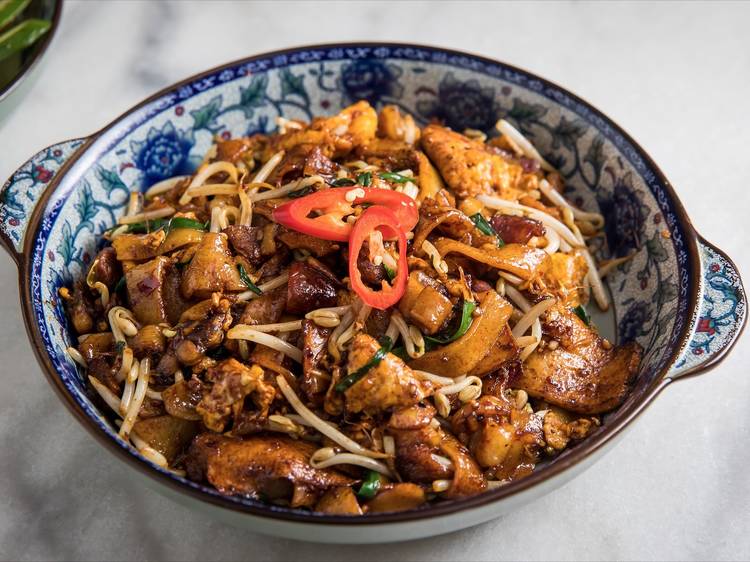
(21,36)
(343,182)
(10,10)
(389,273)
(364,179)
(300,192)
(247,281)
(120,284)
(400,352)
(395,178)
(120,347)
(582,314)
(486,228)
(466,318)
(349,380)
(370,486)
(183,222)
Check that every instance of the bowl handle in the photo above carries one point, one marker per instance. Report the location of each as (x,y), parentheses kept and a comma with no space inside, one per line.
(24,189)
(720,315)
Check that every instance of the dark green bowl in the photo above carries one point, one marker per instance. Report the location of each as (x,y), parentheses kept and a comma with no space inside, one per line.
(18,72)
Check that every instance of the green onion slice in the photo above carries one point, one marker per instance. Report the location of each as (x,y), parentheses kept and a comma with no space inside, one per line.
(582,314)
(370,486)
(486,228)
(466,319)
(396,178)
(364,179)
(247,281)
(390,273)
(349,380)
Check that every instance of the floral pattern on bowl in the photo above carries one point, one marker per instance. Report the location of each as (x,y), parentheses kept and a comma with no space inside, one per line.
(170,133)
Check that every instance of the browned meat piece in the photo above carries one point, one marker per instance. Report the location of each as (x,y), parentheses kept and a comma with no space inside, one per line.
(104,368)
(201,328)
(297,240)
(377,322)
(339,501)
(504,440)
(79,304)
(233,150)
(95,344)
(560,428)
(450,222)
(565,278)
(372,275)
(265,309)
(145,284)
(245,240)
(106,267)
(471,168)
(211,269)
(232,381)
(417,443)
(301,161)
(181,398)
(270,466)
(468,479)
(149,341)
(315,380)
(310,286)
(138,247)
(166,434)
(273,266)
(516,230)
(336,135)
(583,374)
(401,496)
(389,154)
(462,356)
(394,125)
(389,384)
(174,303)
(425,303)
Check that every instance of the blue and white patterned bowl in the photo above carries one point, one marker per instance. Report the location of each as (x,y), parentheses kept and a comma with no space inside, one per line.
(680,297)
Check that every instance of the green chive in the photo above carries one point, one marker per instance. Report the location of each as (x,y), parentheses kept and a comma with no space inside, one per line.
(120,347)
(300,192)
(120,284)
(184,222)
(466,311)
(582,314)
(343,182)
(21,36)
(370,486)
(395,178)
(247,281)
(349,380)
(390,273)
(486,228)
(364,179)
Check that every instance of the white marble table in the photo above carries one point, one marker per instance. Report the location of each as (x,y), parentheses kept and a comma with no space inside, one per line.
(677,76)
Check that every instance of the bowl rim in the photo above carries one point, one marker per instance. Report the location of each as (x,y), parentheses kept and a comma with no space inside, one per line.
(36,56)
(582,451)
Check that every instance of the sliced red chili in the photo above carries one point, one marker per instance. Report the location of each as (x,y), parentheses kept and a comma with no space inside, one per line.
(332,206)
(380,218)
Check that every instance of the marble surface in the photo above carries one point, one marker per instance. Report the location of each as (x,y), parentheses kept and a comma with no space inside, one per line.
(676,76)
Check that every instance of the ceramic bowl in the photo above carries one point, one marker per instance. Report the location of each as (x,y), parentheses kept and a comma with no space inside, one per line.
(14,90)
(680,297)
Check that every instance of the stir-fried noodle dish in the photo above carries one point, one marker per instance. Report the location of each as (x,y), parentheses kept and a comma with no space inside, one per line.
(354,315)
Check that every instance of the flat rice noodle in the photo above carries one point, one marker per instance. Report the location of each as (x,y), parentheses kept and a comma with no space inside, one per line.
(145,284)
(166,434)
(504,349)
(462,356)
(524,261)
(468,479)
(138,247)
(180,237)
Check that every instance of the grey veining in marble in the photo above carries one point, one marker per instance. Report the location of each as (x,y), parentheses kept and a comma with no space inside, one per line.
(676,76)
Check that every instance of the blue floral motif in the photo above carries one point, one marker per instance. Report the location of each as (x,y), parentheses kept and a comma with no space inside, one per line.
(634,321)
(625,214)
(461,105)
(370,80)
(164,153)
